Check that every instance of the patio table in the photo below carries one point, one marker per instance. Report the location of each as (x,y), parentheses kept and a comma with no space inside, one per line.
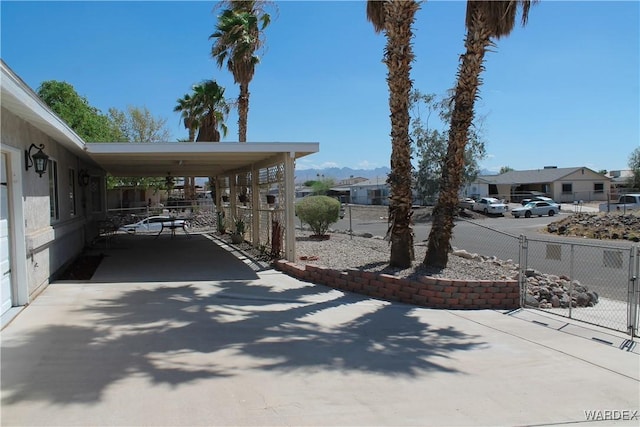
(173,225)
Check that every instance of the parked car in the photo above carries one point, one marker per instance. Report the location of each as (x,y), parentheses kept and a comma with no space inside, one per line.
(153,224)
(626,202)
(520,196)
(539,208)
(536,199)
(490,205)
(466,203)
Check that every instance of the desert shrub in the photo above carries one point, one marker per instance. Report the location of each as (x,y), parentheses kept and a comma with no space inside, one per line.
(319,212)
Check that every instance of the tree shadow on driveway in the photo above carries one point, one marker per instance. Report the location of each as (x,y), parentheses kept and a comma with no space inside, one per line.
(177,334)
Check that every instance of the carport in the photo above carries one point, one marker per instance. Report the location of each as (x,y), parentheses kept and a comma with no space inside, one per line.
(244,173)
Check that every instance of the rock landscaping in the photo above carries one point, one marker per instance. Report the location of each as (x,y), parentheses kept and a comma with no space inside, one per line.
(551,291)
(614,226)
(543,290)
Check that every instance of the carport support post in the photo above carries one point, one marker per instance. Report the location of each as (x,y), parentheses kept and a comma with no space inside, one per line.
(255,207)
(233,199)
(289,196)
(217,192)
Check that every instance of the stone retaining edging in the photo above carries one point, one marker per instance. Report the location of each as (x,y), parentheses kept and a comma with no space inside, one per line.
(426,291)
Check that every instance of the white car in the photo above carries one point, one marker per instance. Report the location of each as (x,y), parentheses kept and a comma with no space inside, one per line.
(536,199)
(466,203)
(490,206)
(153,224)
(539,208)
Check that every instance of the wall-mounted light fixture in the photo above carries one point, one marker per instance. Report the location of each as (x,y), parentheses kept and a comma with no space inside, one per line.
(83,177)
(38,160)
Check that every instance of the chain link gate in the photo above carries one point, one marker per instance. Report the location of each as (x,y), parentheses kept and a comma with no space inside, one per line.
(596,284)
(633,314)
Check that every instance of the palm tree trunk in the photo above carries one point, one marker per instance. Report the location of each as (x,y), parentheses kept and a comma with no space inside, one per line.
(398,57)
(191,179)
(243,112)
(476,43)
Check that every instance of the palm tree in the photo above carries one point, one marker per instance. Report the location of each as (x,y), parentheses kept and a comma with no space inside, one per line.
(238,36)
(485,21)
(395,18)
(203,111)
(185,106)
(211,110)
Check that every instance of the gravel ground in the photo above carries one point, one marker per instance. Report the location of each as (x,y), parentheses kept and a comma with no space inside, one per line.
(342,251)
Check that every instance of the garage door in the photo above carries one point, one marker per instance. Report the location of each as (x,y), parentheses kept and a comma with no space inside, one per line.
(5,254)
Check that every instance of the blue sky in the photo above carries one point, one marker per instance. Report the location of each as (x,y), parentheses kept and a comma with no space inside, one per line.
(564,90)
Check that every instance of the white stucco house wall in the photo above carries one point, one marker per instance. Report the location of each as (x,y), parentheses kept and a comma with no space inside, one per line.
(45,220)
(476,189)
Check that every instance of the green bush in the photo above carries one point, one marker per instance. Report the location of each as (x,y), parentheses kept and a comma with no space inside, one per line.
(319,212)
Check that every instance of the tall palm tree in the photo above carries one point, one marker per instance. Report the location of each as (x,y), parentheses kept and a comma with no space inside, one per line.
(485,21)
(395,18)
(238,36)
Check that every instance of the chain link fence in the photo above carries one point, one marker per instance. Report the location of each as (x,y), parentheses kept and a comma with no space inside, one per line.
(586,282)
(591,282)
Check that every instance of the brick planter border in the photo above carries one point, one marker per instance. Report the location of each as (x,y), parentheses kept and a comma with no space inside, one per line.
(426,291)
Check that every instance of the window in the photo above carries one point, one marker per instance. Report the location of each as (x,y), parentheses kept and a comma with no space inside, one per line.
(567,188)
(72,192)
(598,187)
(54,210)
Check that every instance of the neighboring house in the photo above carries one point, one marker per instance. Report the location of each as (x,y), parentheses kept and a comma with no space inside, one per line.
(351,180)
(303,191)
(561,184)
(45,219)
(476,189)
(132,199)
(342,190)
(619,182)
(370,192)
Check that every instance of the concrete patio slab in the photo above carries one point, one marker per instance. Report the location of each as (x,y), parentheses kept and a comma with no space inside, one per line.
(246,346)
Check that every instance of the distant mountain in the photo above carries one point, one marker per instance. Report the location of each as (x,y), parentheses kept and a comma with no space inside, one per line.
(485,172)
(341,173)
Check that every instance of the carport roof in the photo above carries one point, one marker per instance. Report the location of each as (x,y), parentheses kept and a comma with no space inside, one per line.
(192,158)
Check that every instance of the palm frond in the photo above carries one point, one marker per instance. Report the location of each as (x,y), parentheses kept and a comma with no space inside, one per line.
(376,14)
(499,15)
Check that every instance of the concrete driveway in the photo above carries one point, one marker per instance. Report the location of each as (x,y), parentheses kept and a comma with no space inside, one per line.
(181,332)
